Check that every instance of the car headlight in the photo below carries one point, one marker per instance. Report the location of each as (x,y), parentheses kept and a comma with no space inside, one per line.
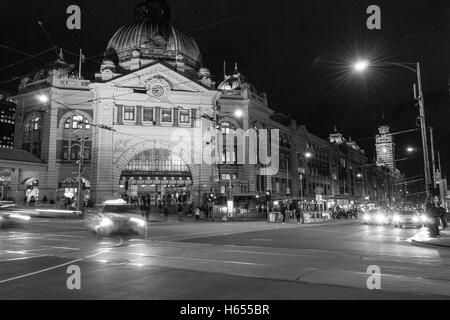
(366,217)
(396,218)
(20,217)
(139,222)
(415,219)
(106,222)
(424,218)
(380,218)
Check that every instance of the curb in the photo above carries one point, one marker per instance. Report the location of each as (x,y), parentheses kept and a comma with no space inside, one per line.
(427,244)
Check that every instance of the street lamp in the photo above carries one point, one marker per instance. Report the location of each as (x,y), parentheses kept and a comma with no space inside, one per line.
(307,155)
(43,98)
(362,65)
(238,113)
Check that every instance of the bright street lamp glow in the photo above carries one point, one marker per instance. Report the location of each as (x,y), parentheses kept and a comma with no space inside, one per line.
(361,65)
(42,98)
(238,113)
(410,149)
(308,155)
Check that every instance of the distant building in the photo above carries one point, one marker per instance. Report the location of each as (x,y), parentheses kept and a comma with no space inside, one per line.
(7,122)
(385,148)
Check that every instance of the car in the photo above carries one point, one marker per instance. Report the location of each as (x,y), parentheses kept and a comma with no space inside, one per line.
(373,217)
(117,216)
(381,218)
(11,215)
(408,218)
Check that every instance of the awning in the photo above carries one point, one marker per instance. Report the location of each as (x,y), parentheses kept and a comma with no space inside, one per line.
(20,159)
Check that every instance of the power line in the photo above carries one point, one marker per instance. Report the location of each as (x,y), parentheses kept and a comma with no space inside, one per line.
(26,59)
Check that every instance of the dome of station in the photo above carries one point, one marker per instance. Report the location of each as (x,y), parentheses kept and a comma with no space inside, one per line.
(151,36)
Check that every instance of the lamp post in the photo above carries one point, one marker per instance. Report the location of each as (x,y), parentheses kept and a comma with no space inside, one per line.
(362,65)
(307,155)
(80,162)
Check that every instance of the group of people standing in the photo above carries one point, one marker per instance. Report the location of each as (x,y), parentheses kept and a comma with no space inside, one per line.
(299,216)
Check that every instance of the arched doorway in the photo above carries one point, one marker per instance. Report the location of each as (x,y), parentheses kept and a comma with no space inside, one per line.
(31,190)
(68,188)
(159,175)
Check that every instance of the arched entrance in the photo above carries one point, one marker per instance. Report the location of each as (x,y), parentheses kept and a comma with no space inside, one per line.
(159,175)
(31,190)
(68,188)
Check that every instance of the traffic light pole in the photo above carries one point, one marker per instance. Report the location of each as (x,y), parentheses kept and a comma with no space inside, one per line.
(423,129)
(80,166)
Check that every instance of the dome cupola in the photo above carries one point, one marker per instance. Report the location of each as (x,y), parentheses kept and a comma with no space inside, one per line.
(151,37)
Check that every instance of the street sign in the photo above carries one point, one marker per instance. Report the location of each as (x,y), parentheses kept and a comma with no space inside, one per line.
(319,198)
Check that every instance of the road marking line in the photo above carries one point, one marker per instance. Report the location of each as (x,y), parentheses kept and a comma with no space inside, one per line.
(52,268)
(24,258)
(269,253)
(186,258)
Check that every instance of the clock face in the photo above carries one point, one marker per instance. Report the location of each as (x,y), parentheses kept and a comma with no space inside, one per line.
(384,150)
(158,90)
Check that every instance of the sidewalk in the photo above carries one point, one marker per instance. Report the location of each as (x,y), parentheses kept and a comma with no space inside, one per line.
(157,219)
(423,239)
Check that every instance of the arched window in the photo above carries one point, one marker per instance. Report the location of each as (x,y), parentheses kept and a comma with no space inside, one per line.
(35,124)
(73,127)
(76,121)
(229,155)
(226,128)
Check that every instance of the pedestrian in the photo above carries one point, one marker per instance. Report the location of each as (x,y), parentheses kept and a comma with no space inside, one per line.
(166,212)
(433,213)
(147,209)
(442,216)
(197,214)
(190,210)
(298,214)
(180,212)
(283,213)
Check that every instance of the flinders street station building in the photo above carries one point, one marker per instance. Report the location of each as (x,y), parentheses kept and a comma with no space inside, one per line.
(150,121)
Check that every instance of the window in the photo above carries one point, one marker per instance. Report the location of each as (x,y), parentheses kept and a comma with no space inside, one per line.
(128,114)
(87,153)
(184,116)
(226,128)
(75,122)
(35,124)
(166,115)
(74,151)
(148,115)
(65,150)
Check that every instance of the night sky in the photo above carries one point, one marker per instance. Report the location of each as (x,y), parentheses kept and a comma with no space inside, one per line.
(299,52)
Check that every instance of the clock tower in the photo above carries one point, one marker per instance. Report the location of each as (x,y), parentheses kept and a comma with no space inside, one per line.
(385,148)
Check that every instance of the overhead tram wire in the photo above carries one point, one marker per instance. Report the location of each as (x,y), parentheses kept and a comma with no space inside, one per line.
(26,59)
(390,134)
(20,51)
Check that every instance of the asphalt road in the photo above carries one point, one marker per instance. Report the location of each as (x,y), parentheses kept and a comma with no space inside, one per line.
(196,261)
